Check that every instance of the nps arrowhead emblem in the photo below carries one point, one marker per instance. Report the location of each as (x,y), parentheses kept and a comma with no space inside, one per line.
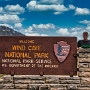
(61,50)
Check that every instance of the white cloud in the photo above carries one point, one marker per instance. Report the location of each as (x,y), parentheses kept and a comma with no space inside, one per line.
(63,31)
(18,25)
(29,30)
(10,18)
(74,33)
(71,7)
(44,26)
(14,9)
(77,29)
(34,29)
(1,9)
(79,34)
(82,11)
(39,27)
(35,34)
(52,1)
(88,28)
(31,34)
(7,25)
(85,22)
(43,35)
(57,13)
(34,6)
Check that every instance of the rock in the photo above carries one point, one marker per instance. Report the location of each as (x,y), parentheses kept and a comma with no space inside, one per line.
(84,69)
(84,60)
(37,82)
(1,81)
(21,86)
(22,81)
(71,87)
(84,55)
(84,74)
(44,87)
(82,50)
(8,79)
(8,86)
(85,81)
(52,80)
(33,87)
(34,77)
(83,65)
(58,89)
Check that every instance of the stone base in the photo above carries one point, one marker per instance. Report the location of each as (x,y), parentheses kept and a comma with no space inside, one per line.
(28,82)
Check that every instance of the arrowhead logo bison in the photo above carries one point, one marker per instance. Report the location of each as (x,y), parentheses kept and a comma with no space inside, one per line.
(61,50)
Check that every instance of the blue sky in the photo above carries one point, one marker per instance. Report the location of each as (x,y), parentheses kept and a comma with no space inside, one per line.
(46,17)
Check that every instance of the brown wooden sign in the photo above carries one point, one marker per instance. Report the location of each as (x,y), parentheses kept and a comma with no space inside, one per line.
(26,55)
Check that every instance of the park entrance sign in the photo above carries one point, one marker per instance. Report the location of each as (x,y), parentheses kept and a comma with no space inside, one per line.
(28,55)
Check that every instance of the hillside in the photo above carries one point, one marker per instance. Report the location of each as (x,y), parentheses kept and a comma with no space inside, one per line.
(6,31)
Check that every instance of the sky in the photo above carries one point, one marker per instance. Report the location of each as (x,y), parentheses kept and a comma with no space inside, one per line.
(46,17)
